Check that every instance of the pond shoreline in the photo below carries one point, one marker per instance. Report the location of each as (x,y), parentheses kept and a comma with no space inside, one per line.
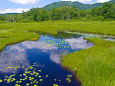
(69,69)
(85,75)
(74,75)
(73,78)
(34,39)
(99,35)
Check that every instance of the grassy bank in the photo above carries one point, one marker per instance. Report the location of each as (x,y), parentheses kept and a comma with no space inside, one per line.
(12,37)
(94,66)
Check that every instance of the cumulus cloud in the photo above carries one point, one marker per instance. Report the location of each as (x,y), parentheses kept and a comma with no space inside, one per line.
(14,10)
(24,1)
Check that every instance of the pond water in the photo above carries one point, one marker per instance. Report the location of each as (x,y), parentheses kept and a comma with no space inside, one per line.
(37,63)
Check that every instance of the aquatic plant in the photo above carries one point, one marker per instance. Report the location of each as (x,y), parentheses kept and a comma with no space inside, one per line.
(32,76)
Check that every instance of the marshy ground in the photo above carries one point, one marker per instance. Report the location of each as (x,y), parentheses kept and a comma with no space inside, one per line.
(93,66)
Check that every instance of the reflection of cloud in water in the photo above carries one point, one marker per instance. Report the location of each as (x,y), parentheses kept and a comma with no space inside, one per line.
(79,43)
(39,45)
(56,56)
(17,48)
(15,58)
(16,54)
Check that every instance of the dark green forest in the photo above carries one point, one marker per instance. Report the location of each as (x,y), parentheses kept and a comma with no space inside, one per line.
(104,12)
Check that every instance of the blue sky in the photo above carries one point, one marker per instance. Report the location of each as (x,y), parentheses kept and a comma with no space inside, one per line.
(12,6)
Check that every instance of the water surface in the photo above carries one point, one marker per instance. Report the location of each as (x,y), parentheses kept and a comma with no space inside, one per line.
(38,62)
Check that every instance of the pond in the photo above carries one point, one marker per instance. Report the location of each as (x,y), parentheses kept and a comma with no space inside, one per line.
(37,63)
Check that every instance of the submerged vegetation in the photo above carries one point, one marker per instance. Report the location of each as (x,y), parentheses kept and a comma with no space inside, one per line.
(93,66)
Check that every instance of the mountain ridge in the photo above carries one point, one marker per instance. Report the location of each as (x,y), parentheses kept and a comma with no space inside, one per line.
(58,4)
(79,5)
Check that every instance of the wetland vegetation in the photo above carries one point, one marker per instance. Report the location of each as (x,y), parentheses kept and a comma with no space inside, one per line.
(93,64)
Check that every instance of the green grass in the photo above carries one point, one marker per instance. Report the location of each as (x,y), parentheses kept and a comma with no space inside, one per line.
(16,32)
(51,27)
(94,66)
(8,38)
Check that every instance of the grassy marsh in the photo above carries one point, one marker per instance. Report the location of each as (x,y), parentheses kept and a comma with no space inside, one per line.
(51,27)
(16,32)
(94,66)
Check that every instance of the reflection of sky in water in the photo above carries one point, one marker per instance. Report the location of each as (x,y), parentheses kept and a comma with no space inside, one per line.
(16,54)
(78,43)
(47,52)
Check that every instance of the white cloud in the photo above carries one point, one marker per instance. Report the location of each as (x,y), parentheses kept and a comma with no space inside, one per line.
(24,1)
(13,10)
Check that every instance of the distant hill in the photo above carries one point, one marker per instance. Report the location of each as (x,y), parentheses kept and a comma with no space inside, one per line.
(69,3)
(75,4)
(113,1)
(10,13)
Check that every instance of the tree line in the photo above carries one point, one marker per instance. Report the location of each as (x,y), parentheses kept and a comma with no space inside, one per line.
(106,11)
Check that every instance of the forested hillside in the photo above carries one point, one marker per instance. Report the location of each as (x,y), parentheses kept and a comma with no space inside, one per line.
(105,12)
(75,4)
(69,3)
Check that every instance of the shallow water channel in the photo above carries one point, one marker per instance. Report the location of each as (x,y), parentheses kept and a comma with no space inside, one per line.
(37,63)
